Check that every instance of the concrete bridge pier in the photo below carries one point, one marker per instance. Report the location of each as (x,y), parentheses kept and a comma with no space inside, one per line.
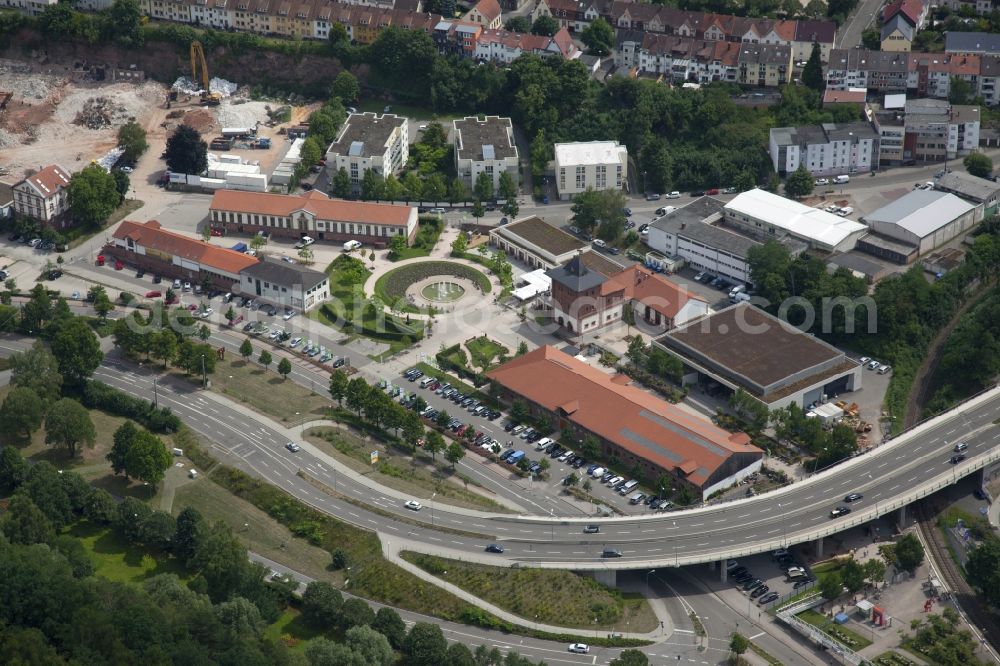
(819,547)
(606,577)
(902,516)
(723,571)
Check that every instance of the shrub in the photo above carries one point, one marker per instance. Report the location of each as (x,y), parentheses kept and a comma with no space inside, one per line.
(97,395)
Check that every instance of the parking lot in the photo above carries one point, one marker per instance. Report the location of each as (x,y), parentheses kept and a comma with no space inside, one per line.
(769,578)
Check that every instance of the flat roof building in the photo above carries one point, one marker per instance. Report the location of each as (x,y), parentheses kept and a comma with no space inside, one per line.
(631,425)
(598,165)
(485,145)
(925,219)
(764,214)
(289,285)
(744,347)
(829,149)
(690,232)
(535,242)
(369,141)
(971,188)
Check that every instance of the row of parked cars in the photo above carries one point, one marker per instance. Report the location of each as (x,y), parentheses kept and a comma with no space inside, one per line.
(757,588)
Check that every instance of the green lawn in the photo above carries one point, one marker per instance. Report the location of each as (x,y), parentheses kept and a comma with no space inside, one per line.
(850,638)
(292,631)
(484,350)
(266,391)
(562,598)
(427,237)
(115,559)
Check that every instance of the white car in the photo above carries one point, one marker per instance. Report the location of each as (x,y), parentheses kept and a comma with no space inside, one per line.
(873,365)
(413,505)
(126,169)
(295,342)
(671,195)
(579,648)
(822,181)
(187,286)
(864,360)
(206,313)
(293,447)
(288,315)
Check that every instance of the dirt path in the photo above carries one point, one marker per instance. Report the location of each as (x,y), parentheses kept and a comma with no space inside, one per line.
(923,388)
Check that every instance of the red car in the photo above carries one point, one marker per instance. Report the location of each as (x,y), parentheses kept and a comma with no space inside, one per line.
(216,232)
(461,431)
(153,294)
(192,307)
(238,319)
(712,192)
(119,265)
(100,260)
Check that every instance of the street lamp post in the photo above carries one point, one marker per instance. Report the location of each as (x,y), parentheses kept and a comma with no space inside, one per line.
(433,495)
(204,375)
(156,398)
(651,571)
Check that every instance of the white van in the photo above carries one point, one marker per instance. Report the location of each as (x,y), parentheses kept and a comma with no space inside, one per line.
(840,180)
(598,473)
(542,443)
(351,245)
(845,211)
(426,381)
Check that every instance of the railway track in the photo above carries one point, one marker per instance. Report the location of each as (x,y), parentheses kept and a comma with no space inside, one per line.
(974,608)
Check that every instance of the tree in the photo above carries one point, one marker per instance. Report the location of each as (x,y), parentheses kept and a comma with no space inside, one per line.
(413,428)
(960,91)
(389,624)
(246,349)
(657,165)
(545,25)
(598,206)
(477,209)
(636,351)
(37,311)
(321,605)
(434,188)
(517,24)
(983,567)
(433,443)
(157,530)
(132,137)
(909,552)
(522,348)
(507,191)
(599,37)
(121,443)
(346,87)
(265,358)
(24,523)
(459,245)
(519,411)
(38,370)
(397,245)
(338,385)
(163,345)
(13,468)
(68,425)
(93,196)
(739,643)
(284,368)
(371,645)
(21,413)
(484,186)
(355,613)
(356,394)
(456,452)
(412,186)
(139,454)
(186,151)
(459,655)
(122,184)
(799,183)
(77,351)
(190,533)
(98,297)
(341,185)
(831,586)
(306,255)
(125,20)
(812,73)
(371,185)
(45,487)
(425,645)
(978,164)
(852,575)
(100,507)
(874,571)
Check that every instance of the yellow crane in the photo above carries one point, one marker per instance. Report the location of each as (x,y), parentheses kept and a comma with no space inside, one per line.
(198,57)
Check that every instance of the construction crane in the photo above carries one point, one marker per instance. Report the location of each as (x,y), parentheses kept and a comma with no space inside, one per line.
(198,57)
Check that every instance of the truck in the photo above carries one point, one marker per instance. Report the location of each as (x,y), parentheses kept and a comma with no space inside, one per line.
(305,241)
(232,132)
(240,247)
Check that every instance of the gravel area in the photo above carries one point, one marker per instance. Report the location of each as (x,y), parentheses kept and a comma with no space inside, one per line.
(246,114)
(129,101)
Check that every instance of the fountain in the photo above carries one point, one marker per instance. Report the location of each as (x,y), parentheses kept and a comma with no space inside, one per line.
(443,292)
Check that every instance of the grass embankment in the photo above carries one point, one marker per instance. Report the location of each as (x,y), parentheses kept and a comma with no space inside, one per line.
(266,391)
(415,474)
(838,632)
(562,598)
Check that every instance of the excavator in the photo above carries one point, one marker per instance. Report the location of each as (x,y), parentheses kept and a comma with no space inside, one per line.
(198,57)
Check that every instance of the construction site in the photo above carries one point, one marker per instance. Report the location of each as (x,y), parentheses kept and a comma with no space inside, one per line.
(70,115)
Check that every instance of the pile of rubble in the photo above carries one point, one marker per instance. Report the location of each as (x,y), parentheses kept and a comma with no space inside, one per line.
(188,86)
(100,112)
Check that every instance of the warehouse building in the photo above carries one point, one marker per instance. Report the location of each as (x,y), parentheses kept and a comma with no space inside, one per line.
(744,347)
(638,429)
(765,215)
(971,188)
(921,220)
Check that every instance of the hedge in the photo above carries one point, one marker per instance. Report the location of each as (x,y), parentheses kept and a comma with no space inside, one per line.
(394,331)
(395,283)
(447,364)
(98,395)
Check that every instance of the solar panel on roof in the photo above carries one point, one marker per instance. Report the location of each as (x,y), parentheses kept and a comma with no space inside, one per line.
(357,149)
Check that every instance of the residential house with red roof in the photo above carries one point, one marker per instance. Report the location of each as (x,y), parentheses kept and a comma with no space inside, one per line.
(645,434)
(584,300)
(486,13)
(311,214)
(505,47)
(44,196)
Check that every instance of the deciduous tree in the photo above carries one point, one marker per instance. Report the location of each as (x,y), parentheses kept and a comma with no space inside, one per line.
(978,164)
(338,385)
(24,523)
(21,413)
(77,351)
(93,196)
(68,425)
(456,452)
(284,368)
(346,87)
(799,183)
(186,151)
(599,37)
(265,358)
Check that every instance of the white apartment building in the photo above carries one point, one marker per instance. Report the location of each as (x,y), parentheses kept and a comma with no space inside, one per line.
(825,150)
(369,141)
(44,196)
(485,146)
(599,165)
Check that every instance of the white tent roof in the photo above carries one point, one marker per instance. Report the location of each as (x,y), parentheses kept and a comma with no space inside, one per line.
(795,218)
(535,283)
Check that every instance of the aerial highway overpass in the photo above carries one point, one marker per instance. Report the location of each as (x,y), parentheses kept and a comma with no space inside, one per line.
(913,465)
